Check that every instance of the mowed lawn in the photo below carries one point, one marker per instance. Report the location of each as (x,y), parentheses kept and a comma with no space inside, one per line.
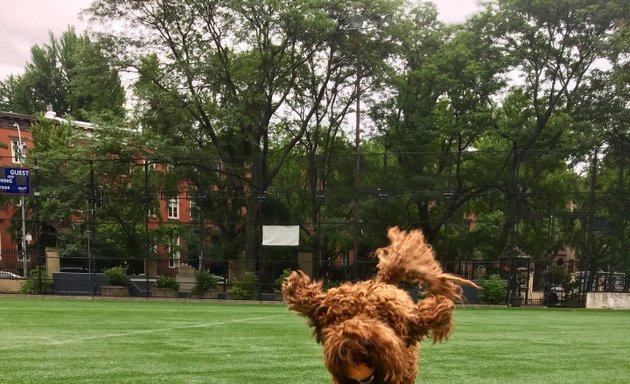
(84,341)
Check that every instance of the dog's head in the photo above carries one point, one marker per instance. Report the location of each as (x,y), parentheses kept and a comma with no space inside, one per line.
(364,350)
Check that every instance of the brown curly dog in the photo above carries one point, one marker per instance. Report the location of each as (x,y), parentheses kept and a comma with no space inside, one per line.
(371,330)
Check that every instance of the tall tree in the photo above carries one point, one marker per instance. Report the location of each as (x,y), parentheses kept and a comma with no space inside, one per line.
(91,187)
(443,105)
(233,66)
(71,74)
(553,46)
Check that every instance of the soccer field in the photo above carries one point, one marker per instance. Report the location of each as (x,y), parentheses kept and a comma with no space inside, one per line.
(84,341)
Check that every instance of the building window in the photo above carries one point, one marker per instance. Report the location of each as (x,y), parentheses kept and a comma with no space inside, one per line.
(173,254)
(151,165)
(193,210)
(17,152)
(173,208)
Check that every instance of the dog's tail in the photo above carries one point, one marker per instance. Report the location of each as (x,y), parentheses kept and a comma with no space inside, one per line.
(409,258)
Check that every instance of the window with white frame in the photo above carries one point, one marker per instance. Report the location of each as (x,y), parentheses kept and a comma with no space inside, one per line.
(151,165)
(192,209)
(173,208)
(174,254)
(17,152)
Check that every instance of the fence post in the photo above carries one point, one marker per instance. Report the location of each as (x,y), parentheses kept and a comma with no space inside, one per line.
(146,200)
(91,226)
(37,229)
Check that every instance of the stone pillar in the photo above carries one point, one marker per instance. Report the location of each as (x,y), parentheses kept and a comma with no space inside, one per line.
(186,278)
(52,260)
(152,267)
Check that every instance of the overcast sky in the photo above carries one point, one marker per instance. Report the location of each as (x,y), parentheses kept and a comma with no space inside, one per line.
(27,22)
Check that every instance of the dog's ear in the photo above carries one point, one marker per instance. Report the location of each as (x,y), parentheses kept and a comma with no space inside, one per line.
(302,295)
(433,316)
(434,313)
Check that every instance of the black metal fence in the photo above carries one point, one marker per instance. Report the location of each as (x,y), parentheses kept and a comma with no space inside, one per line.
(153,215)
(74,277)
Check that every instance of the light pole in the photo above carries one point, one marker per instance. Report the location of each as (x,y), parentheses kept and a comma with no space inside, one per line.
(19,153)
(356,21)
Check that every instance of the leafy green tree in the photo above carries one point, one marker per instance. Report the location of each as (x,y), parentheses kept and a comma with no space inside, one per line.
(71,74)
(92,188)
(553,47)
(238,70)
(443,105)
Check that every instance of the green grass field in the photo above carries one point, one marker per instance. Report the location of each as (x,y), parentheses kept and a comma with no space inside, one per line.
(83,341)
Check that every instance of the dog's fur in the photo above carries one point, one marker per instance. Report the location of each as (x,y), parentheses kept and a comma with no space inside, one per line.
(374,323)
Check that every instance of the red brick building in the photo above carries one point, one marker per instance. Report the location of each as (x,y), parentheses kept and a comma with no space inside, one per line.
(15,128)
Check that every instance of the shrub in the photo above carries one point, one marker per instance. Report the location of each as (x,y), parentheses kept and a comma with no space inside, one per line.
(37,282)
(167,282)
(246,288)
(204,281)
(117,276)
(494,289)
(282,278)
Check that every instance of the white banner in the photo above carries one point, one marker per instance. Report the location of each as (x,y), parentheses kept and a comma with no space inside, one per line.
(288,235)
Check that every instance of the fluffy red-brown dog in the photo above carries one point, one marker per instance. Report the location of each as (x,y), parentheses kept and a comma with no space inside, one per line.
(371,330)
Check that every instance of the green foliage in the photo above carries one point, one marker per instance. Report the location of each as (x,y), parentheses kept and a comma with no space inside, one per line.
(73,74)
(249,97)
(67,177)
(282,278)
(117,276)
(559,276)
(38,282)
(494,289)
(204,281)
(245,288)
(459,140)
(167,282)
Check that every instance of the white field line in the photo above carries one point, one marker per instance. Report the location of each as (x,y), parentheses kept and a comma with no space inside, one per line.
(53,342)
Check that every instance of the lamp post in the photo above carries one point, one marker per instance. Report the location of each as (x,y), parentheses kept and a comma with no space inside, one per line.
(356,22)
(19,154)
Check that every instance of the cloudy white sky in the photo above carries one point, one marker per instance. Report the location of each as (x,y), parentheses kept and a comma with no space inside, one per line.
(27,22)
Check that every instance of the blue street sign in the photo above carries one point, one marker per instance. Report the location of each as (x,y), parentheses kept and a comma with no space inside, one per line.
(15,181)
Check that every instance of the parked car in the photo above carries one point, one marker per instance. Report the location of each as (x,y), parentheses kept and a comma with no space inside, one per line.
(9,275)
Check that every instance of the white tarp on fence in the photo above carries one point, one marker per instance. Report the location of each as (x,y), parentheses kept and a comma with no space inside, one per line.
(288,235)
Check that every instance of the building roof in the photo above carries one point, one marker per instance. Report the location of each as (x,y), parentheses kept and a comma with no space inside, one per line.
(8,119)
(88,127)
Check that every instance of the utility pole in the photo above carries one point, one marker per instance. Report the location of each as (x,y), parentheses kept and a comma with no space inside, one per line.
(19,151)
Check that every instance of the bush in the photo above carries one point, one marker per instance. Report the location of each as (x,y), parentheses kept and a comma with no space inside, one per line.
(494,289)
(117,276)
(167,282)
(35,285)
(246,288)
(282,278)
(204,281)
